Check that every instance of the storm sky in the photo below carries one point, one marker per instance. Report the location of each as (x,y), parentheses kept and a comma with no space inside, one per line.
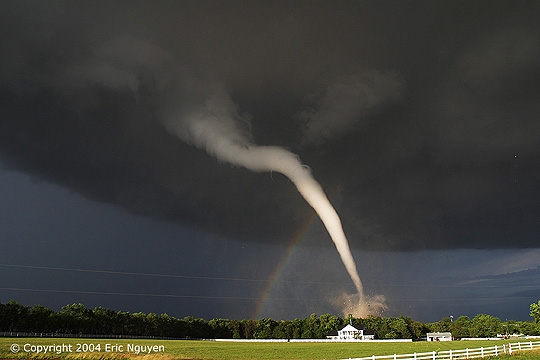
(419,119)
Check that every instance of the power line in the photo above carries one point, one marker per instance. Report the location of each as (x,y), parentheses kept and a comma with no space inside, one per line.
(58,291)
(213,278)
(248,298)
(112,272)
(130,273)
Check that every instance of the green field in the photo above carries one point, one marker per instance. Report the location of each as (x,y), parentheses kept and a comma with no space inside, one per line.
(190,349)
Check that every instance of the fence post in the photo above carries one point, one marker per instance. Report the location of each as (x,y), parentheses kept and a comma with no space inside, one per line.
(531,345)
(395,356)
(510,348)
(414,356)
(450,354)
(496,352)
(434,356)
(373,357)
(482,351)
(467,353)
(519,345)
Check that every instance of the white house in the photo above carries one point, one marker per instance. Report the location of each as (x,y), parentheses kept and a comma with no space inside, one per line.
(349,332)
(439,336)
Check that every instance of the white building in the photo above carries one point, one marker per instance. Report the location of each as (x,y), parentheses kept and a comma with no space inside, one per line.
(349,332)
(439,336)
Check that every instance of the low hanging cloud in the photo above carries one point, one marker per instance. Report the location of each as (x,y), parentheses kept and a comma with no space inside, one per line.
(428,143)
(348,102)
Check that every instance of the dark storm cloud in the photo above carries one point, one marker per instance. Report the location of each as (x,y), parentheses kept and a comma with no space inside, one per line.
(420,120)
(349,101)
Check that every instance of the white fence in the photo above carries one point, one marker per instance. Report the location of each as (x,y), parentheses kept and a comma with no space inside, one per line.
(314,340)
(461,354)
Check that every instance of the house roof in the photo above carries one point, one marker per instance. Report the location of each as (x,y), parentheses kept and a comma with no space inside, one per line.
(357,327)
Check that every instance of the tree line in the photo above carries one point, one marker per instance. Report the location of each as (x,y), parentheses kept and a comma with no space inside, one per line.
(77,319)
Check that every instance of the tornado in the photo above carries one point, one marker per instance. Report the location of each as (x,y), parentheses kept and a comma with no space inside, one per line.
(215,127)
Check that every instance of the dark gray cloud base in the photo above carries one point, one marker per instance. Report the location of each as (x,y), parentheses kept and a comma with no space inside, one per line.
(419,120)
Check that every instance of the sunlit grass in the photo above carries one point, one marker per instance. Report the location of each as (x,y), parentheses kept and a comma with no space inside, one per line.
(206,350)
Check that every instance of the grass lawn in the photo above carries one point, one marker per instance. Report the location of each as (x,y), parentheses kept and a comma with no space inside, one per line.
(190,349)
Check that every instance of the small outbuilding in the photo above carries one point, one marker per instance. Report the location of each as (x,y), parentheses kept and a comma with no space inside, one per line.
(439,336)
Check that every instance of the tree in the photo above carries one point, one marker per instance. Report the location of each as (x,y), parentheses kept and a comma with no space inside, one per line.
(198,328)
(104,321)
(121,321)
(13,316)
(442,325)
(265,328)
(137,324)
(220,328)
(310,327)
(327,322)
(76,319)
(234,328)
(535,311)
(152,324)
(460,327)
(248,328)
(416,328)
(297,330)
(377,324)
(483,325)
(527,328)
(400,328)
(282,330)
(39,319)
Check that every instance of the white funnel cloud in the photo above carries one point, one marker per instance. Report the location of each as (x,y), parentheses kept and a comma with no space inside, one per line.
(214,128)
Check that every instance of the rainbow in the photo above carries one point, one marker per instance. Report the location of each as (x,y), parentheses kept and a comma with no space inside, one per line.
(289,252)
